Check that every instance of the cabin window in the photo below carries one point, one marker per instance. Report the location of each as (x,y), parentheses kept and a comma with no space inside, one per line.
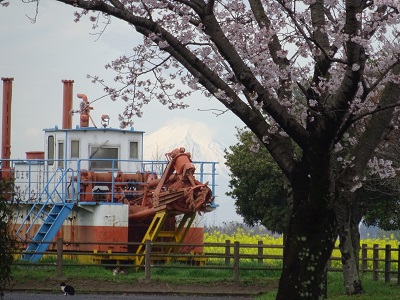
(75,149)
(50,149)
(134,150)
(103,158)
(61,154)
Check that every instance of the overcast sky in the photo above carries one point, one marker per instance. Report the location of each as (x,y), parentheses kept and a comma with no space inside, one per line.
(38,56)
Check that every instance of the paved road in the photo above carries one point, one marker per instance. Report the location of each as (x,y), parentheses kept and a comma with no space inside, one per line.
(32,296)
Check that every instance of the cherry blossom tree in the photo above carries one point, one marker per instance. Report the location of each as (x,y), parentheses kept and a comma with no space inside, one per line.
(251,55)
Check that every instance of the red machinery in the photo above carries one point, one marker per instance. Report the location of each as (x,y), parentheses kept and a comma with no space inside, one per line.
(154,202)
(177,190)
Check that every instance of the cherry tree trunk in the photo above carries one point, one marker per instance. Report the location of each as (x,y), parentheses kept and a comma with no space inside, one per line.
(308,247)
(349,247)
(351,277)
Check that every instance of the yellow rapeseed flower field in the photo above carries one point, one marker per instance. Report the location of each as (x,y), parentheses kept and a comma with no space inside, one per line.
(272,246)
(248,244)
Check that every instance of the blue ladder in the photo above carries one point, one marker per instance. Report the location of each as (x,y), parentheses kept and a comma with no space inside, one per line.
(51,207)
(47,231)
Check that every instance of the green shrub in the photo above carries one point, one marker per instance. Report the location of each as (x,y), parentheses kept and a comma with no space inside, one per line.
(7,239)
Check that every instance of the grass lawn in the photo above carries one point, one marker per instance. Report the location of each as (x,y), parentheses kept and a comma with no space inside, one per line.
(374,290)
(179,274)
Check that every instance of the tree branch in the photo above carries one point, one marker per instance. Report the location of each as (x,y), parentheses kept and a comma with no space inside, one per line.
(264,22)
(378,124)
(210,80)
(250,82)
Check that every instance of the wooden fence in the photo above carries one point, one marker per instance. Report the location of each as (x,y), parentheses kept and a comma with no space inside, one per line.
(232,256)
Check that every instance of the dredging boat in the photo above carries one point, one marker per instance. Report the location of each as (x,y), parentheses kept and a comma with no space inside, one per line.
(91,186)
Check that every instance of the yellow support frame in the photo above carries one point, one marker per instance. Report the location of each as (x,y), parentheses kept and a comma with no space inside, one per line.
(154,232)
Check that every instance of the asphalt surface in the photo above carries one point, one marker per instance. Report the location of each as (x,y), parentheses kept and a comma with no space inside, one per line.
(49,296)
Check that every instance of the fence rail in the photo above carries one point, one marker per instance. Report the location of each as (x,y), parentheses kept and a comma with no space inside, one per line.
(234,256)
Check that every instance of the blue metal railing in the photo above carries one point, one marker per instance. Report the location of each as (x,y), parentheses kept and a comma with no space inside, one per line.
(37,179)
(49,195)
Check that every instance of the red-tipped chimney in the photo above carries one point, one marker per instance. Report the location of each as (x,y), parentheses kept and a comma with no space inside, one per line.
(67,104)
(6,127)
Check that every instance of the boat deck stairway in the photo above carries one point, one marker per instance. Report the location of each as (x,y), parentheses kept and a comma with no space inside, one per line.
(46,216)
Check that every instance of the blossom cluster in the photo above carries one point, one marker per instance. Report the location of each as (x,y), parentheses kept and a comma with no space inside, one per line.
(272,58)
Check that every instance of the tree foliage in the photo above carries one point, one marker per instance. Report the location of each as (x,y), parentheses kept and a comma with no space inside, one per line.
(7,239)
(257,184)
(260,194)
(380,195)
(381,204)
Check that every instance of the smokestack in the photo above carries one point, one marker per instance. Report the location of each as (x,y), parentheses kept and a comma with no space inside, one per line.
(67,104)
(6,127)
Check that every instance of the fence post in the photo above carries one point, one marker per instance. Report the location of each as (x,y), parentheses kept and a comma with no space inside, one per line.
(398,265)
(236,262)
(59,256)
(147,260)
(388,261)
(364,256)
(375,262)
(260,251)
(227,252)
(329,264)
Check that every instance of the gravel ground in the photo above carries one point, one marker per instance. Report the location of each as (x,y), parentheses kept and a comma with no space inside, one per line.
(51,296)
(142,289)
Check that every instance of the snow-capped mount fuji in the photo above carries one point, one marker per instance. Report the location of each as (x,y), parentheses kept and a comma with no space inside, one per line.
(199,139)
(195,137)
